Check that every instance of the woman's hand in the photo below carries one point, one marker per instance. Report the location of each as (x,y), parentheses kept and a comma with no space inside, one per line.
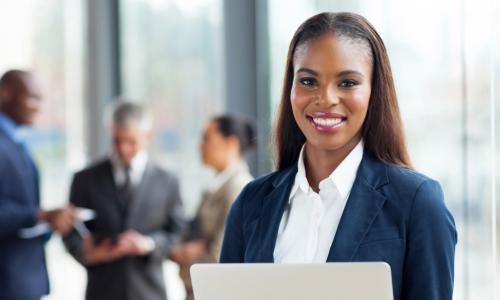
(188,252)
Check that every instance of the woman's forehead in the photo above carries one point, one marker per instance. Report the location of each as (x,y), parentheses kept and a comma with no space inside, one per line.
(331,51)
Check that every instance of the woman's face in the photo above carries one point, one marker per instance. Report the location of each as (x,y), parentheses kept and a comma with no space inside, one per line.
(214,146)
(331,90)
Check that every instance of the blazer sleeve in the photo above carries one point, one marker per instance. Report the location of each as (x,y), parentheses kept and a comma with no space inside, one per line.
(15,213)
(233,245)
(73,241)
(175,224)
(15,216)
(429,263)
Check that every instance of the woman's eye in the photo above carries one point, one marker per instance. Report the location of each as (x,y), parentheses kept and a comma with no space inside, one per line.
(348,83)
(308,82)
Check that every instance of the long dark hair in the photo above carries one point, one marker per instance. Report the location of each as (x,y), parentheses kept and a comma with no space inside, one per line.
(382,130)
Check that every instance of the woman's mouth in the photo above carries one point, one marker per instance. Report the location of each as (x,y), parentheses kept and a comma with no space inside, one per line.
(327,122)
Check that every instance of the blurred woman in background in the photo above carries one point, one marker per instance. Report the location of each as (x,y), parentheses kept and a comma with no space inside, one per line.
(226,140)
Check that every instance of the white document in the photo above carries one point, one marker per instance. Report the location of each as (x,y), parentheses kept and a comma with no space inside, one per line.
(82,215)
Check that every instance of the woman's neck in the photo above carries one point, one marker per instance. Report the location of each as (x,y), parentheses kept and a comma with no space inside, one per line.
(229,162)
(320,163)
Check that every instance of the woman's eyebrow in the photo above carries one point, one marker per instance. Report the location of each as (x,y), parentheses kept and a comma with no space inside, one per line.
(340,74)
(349,72)
(307,70)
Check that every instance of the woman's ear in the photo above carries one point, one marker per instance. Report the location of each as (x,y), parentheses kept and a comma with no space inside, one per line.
(233,142)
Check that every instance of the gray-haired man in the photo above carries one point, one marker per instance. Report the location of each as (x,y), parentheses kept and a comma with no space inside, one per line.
(139,215)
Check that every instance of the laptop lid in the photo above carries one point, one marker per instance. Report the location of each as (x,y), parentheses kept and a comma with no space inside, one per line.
(343,281)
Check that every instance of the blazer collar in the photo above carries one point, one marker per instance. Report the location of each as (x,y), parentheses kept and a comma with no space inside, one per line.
(282,177)
(363,205)
(273,206)
(373,171)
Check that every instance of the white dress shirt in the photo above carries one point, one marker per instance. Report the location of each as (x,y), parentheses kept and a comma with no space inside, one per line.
(310,220)
(137,167)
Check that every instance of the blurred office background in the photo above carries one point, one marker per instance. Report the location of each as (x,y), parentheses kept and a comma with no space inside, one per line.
(188,60)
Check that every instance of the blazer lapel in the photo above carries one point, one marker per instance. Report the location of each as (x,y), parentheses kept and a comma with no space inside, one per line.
(13,150)
(363,206)
(273,206)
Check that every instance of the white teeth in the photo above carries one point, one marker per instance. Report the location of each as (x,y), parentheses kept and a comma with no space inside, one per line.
(327,122)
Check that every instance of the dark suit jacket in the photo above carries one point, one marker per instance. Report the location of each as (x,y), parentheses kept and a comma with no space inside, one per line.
(156,210)
(23,273)
(393,215)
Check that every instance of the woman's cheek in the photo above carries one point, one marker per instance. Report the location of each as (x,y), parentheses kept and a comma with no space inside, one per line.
(357,102)
(296,96)
(301,98)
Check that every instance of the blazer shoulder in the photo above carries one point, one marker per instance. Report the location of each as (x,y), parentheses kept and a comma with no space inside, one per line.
(161,172)
(264,183)
(406,179)
(97,167)
(407,188)
(258,188)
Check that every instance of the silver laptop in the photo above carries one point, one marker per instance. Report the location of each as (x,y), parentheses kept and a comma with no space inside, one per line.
(343,281)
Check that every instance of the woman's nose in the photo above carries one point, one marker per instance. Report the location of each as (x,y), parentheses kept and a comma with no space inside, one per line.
(329,97)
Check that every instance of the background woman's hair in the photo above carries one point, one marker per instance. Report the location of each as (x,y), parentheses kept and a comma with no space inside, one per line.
(240,127)
(382,129)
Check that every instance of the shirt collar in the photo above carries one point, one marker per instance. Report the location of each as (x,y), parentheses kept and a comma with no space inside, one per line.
(11,128)
(137,167)
(222,177)
(300,178)
(342,177)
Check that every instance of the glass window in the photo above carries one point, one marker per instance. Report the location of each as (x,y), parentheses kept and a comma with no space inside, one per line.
(172,62)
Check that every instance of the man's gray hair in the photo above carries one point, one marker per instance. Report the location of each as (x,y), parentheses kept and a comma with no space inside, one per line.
(127,114)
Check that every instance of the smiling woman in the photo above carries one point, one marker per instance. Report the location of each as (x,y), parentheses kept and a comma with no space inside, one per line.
(344,189)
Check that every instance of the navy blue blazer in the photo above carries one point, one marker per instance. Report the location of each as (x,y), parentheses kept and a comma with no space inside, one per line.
(23,272)
(392,214)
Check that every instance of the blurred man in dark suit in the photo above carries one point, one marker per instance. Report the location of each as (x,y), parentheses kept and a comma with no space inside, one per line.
(139,215)
(23,274)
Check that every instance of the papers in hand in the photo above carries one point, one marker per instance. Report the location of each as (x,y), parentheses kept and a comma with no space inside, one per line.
(85,214)
(82,215)
(37,230)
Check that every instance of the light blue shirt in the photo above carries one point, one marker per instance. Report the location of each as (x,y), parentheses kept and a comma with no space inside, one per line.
(18,133)
(15,132)
(10,127)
